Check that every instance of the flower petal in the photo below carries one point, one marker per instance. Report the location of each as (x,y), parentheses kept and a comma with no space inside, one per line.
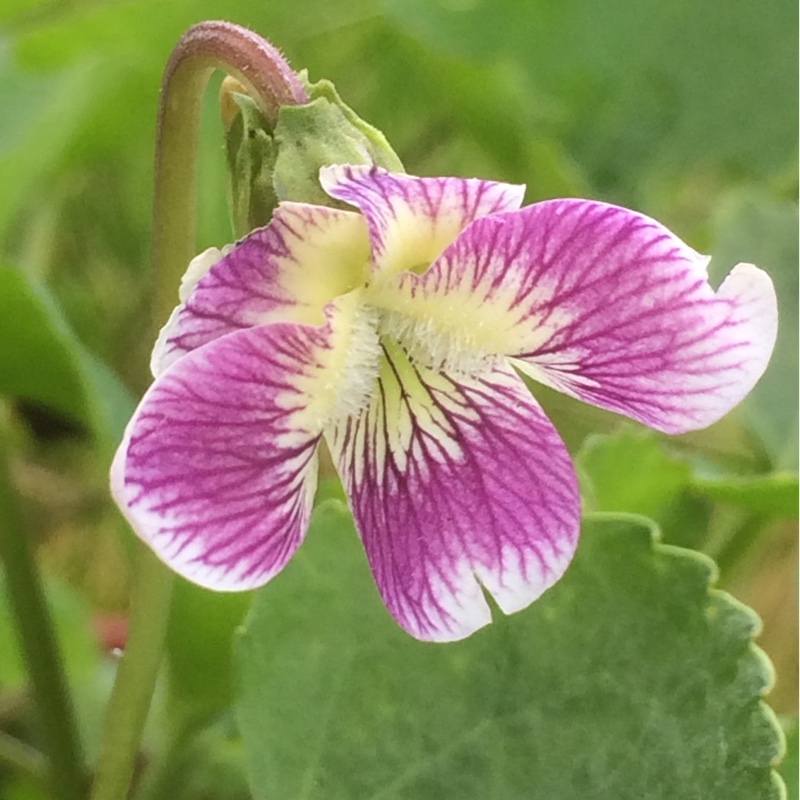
(218,467)
(411,220)
(599,302)
(456,484)
(198,268)
(285,272)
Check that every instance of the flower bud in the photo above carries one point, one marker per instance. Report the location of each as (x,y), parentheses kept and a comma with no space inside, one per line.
(268,165)
(320,133)
(251,157)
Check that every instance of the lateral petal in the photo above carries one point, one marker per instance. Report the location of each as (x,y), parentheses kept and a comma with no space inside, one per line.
(602,303)
(218,467)
(454,485)
(285,272)
(411,220)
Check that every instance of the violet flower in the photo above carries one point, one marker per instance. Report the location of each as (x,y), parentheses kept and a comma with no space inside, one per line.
(396,334)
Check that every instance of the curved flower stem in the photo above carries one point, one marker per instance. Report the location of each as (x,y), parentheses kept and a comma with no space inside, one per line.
(270,81)
(39,647)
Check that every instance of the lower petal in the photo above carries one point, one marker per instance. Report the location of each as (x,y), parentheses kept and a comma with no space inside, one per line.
(218,467)
(457,485)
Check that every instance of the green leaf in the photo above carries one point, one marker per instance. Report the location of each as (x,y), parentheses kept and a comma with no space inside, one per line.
(790,766)
(630,679)
(38,367)
(636,471)
(17,8)
(72,624)
(208,765)
(41,113)
(25,788)
(707,84)
(200,651)
(630,472)
(773,495)
(48,364)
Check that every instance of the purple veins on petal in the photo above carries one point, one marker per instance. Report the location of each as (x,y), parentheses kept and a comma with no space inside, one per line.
(395,333)
(286,272)
(217,470)
(411,220)
(456,484)
(606,305)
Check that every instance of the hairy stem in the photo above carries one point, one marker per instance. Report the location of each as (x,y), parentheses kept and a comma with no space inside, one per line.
(40,648)
(270,81)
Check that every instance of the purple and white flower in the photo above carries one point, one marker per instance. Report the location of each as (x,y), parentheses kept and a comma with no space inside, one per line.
(397,333)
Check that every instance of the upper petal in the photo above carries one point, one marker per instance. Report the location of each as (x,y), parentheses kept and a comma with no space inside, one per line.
(456,484)
(411,220)
(217,469)
(599,302)
(285,272)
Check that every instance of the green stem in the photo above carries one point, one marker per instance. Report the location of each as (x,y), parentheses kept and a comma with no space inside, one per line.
(270,81)
(136,678)
(39,646)
(729,546)
(169,770)
(22,757)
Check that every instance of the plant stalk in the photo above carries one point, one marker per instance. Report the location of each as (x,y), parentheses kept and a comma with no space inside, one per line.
(270,81)
(21,757)
(39,645)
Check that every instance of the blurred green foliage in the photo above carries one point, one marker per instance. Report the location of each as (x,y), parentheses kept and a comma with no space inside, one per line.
(667,108)
(683,110)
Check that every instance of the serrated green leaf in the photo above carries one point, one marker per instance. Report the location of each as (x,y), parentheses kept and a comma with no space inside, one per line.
(629,680)
(48,364)
(791,763)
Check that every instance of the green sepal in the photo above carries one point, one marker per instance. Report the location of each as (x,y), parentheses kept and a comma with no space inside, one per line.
(378,147)
(322,132)
(251,154)
(267,166)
